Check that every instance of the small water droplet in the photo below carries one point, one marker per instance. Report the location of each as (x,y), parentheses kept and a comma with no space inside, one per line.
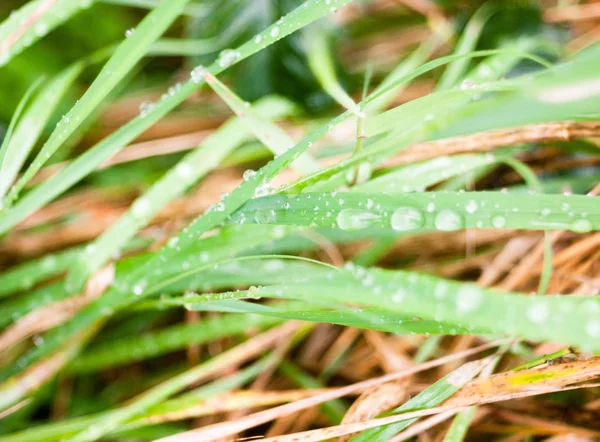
(448,220)
(275,32)
(265,216)
(129,32)
(197,74)
(227,57)
(498,221)
(467,84)
(248,174)
(407,218)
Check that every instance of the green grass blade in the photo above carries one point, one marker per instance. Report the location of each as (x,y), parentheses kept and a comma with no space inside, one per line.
(194,166)
(430,397)
(155,343)
(118,66)
(467,43)
(268,133)
(7,149)
(310,11)
(32,123)
(44,16)
(322,65)
(444,211)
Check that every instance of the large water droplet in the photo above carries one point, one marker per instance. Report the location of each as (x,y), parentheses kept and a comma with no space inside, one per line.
(448,220)
(354,219)
(407,218)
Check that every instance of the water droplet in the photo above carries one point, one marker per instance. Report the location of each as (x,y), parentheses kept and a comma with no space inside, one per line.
(467,84)
(592,328)
(407,218)
(498,221)
(227,57)
(399,296)
(265,216)
(262,190)
(145,107)
(468,299)
(257,39)
(448,220)
(197,74)
(581,226)
(471,206)
(538,313)
(248,174)
(129,32)
(220,206)
(275,32)
(354,219)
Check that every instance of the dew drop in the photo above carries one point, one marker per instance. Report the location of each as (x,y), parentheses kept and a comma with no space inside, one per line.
(448,220)
(129,32)
(275,32)
(581,226)
(498,221)
(467,84)
(407,218)
(468,299)
(537,313)
(197,74)
(265,216)
(227,57)
(592,328)
(249,174)
(471,206)
(145,107)
(354,219)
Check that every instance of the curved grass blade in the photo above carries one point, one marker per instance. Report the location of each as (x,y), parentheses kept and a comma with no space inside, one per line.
(427,297)
(444,211)
(322,66)
(365,318)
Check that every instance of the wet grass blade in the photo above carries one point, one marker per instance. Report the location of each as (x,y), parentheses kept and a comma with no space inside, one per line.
(32,22)
(411,212)
(32,123)
(268,133)
(194,166)
(118,66)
